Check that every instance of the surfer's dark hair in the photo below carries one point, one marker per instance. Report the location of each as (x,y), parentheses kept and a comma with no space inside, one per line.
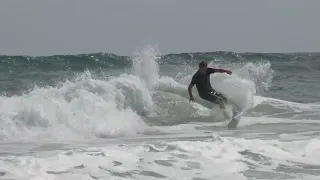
(202,64)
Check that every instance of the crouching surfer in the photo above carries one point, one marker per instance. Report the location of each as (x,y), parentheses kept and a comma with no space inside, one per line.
(202,81)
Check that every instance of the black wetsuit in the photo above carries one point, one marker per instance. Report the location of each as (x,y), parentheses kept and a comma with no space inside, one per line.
(202,82)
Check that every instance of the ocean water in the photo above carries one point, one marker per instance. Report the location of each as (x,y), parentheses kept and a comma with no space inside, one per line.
(104,116)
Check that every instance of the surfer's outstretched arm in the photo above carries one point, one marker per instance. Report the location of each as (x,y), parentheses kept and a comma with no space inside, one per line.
(223,71)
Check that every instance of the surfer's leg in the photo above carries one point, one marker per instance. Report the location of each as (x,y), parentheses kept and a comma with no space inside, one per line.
(211,98)
(235,108)
(221,103)
(219,99)
(216,100)
(220,96)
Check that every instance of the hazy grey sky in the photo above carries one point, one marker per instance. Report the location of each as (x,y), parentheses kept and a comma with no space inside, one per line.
(46,27)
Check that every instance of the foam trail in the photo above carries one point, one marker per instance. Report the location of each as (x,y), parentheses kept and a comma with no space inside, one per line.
(240,87)
(244,83)
(260,74)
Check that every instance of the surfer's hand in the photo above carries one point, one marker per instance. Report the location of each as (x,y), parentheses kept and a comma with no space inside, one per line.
(191,99)
(229,72)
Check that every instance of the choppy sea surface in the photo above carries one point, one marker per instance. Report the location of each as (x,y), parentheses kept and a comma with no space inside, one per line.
(104,116)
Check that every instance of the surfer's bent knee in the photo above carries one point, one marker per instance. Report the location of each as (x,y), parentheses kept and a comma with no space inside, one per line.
(213,99)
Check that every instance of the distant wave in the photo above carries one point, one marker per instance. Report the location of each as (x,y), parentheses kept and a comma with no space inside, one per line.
(109,60)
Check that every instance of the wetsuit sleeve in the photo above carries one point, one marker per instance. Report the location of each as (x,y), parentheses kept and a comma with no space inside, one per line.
(210,71)
(222,71)
(193,80)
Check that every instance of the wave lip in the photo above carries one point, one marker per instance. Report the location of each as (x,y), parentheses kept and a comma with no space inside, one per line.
(85,107)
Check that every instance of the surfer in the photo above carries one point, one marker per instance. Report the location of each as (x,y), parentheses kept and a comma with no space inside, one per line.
(202,81)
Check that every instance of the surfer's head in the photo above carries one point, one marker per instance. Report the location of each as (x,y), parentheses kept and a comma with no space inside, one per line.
(202,67)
